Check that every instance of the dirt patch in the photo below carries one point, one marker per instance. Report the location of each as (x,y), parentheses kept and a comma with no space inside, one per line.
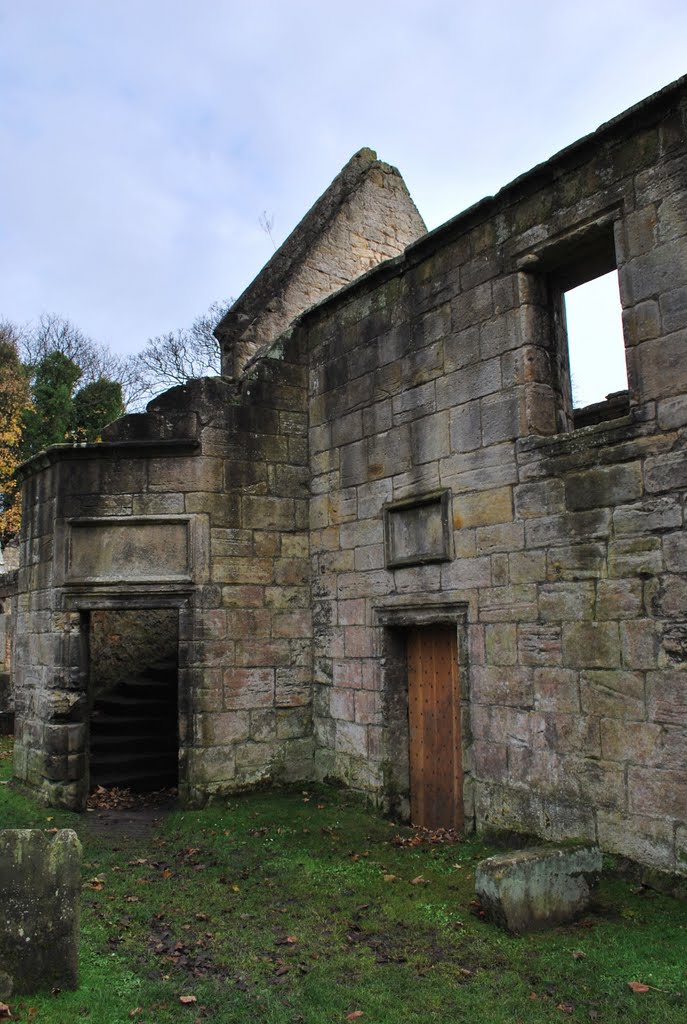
(127,815)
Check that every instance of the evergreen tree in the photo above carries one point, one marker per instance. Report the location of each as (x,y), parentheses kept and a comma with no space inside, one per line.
(95,405)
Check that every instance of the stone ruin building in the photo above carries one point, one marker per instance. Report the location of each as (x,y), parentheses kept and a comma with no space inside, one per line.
(384,549)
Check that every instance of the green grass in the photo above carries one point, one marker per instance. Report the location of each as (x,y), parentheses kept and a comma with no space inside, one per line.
(276,909)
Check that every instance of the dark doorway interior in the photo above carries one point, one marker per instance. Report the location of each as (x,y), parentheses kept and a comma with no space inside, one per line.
(134,670)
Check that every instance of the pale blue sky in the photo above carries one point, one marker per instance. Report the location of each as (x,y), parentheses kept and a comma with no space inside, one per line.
(142,139)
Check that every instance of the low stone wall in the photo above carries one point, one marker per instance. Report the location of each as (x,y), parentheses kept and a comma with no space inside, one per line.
(40,884)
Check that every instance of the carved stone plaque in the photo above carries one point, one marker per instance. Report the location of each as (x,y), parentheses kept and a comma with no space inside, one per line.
(130,550)
(417,530)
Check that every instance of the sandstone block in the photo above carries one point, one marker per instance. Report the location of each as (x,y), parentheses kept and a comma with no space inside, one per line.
(342,704)
(556,689)
(619,599)
(561,602)
(466,427)
(461,348)
(637,743)
(645,839)
(591,645)
(666,472)
(502,685)
(638,556)
(216,730)
(641,322)
(500,537)
(539,645)
(501,643)
(508,604)
(268,513)
(667,697)
(429,438)
(657,793)
(613,694)
(248,688)
(293,686)
(576,561)
(483,509)
(652,514)
(603,486)
(538,887)
(567,528)
(489,761)
(673,305)
(675,551)
(672,413)
(351,738)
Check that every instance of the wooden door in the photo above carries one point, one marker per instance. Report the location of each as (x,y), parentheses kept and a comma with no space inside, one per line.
(436,768)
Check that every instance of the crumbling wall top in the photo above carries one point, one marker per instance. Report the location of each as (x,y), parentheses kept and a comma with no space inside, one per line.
(366,216)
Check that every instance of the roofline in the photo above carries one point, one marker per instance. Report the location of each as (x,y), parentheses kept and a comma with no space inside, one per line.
(284,263)
(645,111)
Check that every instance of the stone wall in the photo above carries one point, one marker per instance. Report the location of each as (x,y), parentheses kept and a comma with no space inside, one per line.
(405,454)
(206,515)
(449,372)
(366,216)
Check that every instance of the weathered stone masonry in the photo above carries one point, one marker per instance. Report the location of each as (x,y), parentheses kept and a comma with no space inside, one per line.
(439,379)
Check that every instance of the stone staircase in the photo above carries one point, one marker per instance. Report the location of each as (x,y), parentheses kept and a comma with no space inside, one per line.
(134,736)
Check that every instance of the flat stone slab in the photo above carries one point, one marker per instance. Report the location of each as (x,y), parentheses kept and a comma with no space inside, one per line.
(538,887)
(40,887)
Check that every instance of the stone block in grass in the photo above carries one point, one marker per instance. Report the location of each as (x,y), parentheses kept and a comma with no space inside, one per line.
(538,887)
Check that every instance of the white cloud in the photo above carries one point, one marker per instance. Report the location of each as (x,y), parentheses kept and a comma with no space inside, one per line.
(142,141)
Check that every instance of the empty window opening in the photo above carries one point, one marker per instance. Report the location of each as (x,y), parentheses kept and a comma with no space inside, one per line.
(134,670)
(596,346)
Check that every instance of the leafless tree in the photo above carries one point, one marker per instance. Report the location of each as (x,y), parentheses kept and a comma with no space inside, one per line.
(173,358)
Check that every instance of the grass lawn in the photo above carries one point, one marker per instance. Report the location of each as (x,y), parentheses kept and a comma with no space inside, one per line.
(305,908)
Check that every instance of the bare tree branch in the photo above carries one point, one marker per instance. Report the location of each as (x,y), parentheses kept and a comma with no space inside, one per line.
(173,358)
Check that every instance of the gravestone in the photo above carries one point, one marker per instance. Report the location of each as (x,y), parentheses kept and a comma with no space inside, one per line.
(40,883)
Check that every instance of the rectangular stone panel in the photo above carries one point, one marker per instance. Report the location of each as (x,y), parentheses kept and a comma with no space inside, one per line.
(418,530)
(132,550)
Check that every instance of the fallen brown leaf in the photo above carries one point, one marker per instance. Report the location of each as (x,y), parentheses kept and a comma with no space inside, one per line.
(578,954)
(566,1007)
(187,1000)
(135,1013)
(638,986)
(419,880)
(4,1010)
(356,1015)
